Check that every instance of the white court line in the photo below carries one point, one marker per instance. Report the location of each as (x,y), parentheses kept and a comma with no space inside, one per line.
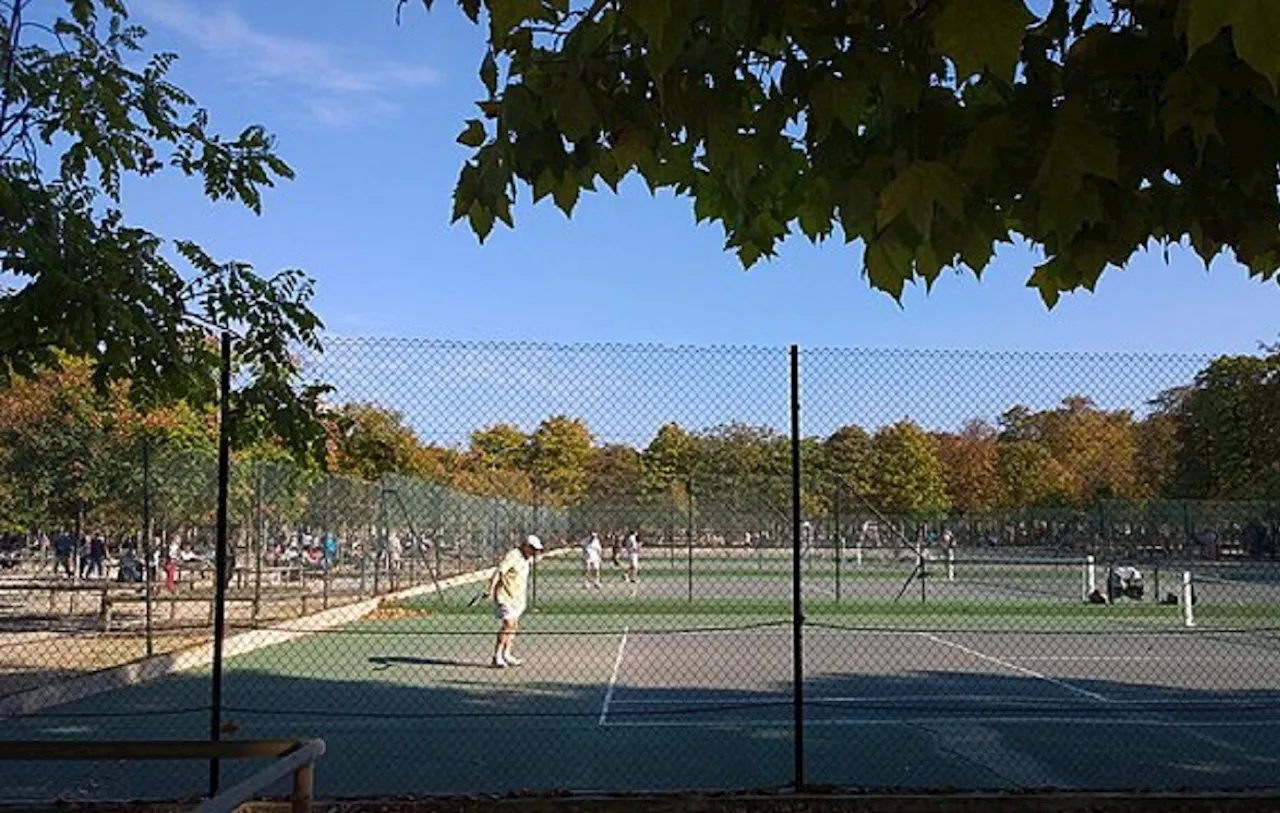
(1121,658)
(1129,658)
(905,699)
(982,719)
(908,699)
(1006,664)
(613,678)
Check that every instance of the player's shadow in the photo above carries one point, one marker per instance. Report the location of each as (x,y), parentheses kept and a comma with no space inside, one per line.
(382,662)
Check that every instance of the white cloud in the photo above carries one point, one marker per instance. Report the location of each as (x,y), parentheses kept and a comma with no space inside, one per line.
(336,86)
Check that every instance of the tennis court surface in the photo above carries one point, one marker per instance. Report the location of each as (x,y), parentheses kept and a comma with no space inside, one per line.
(687,681)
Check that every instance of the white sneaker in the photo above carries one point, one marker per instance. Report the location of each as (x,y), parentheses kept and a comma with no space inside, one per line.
(512,660)
(498,663)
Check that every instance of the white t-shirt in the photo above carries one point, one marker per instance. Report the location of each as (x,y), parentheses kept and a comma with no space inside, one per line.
(592,550)
(1128,575)
(633,546)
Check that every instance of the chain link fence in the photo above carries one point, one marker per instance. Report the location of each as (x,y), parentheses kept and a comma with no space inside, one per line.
(1004,571)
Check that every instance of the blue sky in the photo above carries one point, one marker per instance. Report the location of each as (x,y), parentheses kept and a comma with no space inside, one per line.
(367,113)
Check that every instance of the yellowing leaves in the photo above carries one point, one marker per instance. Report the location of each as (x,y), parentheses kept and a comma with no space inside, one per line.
(982,35)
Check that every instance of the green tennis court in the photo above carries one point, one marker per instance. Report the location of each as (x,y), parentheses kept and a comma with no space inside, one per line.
(650,686)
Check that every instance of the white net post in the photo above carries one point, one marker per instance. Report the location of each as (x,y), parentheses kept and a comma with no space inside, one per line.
(857,552)
(1188,614)
(1090,580)
(951,564)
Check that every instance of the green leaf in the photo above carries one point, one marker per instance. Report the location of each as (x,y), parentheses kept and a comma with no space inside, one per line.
(481,220)
(888,265)
(1255,31)
(489,73)
(629,149)
(574,110)
(984,148)
(544,185)
(566,192)
(471,8)
(1256,34)
(1078,147)
(1044,280)
(1205,19)
(651,16)
(982,34)
(1190,101)
(916,191)
(505,15)
(857,210)
(473,135)
(906,192)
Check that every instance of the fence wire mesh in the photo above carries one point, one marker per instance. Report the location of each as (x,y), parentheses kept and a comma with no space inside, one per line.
(1010,571)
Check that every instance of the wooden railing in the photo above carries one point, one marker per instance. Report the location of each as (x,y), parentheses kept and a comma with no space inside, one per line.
(297,757)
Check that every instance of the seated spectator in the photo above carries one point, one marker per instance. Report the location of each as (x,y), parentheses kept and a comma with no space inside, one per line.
(130,568)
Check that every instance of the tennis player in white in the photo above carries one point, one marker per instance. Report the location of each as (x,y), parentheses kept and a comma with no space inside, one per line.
(508,588)
(633,557)
(592,559)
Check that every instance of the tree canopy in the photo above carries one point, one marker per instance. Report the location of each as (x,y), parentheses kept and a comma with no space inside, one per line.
(84,105)
(930,130)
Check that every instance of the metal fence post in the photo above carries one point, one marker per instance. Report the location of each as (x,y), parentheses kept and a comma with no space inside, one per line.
(220,554)
(797,608)
(689,535)
(839,539)
(148,573)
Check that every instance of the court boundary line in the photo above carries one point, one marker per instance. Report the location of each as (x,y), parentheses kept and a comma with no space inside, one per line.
(613,678)
(899,699)
(836,700)
(1015,667)
(942,720)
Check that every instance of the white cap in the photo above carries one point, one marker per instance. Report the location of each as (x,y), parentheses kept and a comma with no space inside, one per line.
(533,542)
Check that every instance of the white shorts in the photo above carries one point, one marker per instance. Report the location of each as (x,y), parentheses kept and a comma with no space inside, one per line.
(507,612)
(634,559)
(591,561)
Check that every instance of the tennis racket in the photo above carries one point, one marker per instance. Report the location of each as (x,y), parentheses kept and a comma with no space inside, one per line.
(476,599)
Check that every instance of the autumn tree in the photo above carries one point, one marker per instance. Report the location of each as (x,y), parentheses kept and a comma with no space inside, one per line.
(613,498)
(740,477)
(969,463)
(1160,445)
(1229,429)
(367,441)
(1030,476)
(559,450)
(846,455)
(1097,448)
(906,475)
(501,446)
(666,469)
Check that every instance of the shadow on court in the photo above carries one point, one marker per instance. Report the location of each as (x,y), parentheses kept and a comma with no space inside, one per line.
(382,662)
(399,724)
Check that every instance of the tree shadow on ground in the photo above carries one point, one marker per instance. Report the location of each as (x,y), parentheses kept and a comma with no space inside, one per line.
(501,734)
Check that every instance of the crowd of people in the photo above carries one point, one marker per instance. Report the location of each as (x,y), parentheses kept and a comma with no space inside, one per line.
(93,556)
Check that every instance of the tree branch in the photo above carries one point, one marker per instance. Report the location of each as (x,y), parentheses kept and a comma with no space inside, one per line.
(10,58)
